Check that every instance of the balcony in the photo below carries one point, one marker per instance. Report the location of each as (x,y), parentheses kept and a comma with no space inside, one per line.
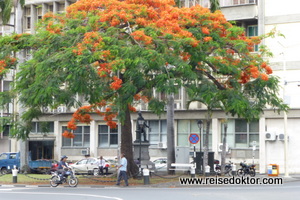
(235,10)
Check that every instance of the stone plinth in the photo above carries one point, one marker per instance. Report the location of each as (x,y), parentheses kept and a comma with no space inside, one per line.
(145,158)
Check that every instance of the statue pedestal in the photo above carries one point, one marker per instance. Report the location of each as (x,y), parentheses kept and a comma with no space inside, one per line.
(141,151)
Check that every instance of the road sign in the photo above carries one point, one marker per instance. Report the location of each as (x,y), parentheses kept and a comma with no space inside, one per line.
(194,138)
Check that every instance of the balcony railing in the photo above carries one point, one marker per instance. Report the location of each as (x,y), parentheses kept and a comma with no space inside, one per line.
(224,3)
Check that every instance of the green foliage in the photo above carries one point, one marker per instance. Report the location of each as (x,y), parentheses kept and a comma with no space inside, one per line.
(214,5)
(6,6)
(68,55)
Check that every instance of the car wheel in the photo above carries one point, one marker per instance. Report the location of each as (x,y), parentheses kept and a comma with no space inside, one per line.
(4,171)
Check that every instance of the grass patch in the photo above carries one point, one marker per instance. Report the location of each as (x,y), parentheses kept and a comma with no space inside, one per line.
(36,179)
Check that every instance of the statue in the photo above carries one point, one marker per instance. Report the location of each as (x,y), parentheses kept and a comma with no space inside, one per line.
(141,129)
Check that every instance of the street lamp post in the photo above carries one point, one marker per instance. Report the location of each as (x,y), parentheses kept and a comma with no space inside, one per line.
(200,123)
(140,122)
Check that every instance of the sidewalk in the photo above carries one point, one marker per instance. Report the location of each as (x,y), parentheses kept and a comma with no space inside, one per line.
(171,184)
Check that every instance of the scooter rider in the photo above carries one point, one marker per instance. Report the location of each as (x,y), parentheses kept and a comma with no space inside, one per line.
(62,166)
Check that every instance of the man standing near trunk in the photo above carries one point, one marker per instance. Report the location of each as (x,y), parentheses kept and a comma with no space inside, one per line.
(123,170)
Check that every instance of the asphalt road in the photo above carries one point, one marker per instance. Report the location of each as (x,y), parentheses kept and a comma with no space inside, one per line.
(287,191)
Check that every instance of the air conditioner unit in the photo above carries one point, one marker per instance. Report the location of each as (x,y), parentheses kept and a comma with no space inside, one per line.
(270,137)
(47,110)
(220,147)
(143,106)
(85,152)
(281,137)
(162,145)
(10,108)
(177,106)
(61,109)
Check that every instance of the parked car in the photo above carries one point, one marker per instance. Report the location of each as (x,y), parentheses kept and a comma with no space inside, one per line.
(160,164)
(90,166)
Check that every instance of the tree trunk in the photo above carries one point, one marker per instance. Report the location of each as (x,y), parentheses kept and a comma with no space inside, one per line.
(170,133)
(126,144)
(206,145)
(223,154)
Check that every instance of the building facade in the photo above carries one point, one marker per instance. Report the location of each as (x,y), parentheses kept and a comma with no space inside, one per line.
(261,142)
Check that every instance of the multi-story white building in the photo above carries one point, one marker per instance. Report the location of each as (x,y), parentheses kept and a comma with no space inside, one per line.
(267,134)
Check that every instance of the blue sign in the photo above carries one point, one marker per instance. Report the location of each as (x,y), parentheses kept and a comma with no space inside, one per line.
(194,138)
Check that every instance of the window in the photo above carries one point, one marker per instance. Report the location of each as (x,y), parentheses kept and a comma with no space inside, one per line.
(205,3)
(252,30)
(3,156)
(107,137)
(27,18)
(61,8)
(81,139)
(39,13)
(187,127)
(6,85)
(6,130)
(50,8)
(241,134)
(157,131)
(12,156)
(42,127)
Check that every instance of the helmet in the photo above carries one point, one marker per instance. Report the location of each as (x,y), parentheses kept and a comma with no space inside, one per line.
(63,157)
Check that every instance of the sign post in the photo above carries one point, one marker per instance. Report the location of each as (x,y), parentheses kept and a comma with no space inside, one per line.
(194,139)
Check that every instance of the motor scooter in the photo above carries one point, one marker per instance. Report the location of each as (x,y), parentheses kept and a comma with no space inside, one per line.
(228,168)
(69,177)
(246,169)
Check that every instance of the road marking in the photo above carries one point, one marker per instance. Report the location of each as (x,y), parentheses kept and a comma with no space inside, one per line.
(65,194)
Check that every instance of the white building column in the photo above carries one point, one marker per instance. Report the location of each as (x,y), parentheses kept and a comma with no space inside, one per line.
(216,134)
(262,146)
(33,18)
(45,8)
(58,138)
(93,139)
(55,7)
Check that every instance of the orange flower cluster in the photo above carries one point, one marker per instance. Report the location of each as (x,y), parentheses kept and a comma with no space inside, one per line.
(131,108)
(109,118)
(185,56)
(254,72)
(139,97)
(83,115)
(161,15)
(140,36)
(104,69)
(267,68)
(68,134)
(92,41)
(72,124)
(207,39)
(53,28)
(6,63)
(205,30)
(245,77)
(116,84)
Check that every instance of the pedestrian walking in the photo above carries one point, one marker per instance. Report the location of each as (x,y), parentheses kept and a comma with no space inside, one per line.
(122,170)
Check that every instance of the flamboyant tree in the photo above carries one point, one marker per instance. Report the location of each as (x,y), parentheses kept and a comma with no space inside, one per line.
(115,52)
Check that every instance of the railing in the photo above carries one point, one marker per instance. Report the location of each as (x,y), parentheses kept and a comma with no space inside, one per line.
(224,3)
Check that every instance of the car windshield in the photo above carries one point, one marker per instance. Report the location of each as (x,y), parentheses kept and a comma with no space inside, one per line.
(91,161)
(160,161)
(81,162)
